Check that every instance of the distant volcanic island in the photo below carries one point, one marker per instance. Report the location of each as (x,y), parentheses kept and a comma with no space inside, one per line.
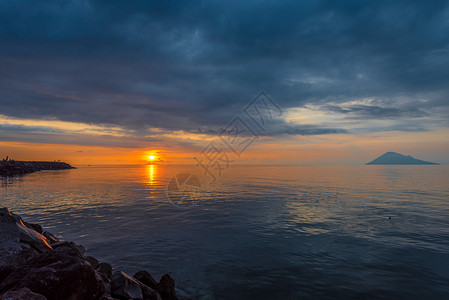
(393,158)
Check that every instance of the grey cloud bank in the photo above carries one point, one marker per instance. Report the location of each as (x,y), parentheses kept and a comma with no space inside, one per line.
(192,65)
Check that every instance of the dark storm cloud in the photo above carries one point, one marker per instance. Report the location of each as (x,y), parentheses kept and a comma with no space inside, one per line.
(376,112)
(11,127)
(293,129)
(193,65)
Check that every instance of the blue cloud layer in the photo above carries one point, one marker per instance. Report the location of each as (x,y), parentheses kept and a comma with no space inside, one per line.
(193,65)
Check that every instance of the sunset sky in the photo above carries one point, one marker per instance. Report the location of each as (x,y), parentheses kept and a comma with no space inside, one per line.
(112,82)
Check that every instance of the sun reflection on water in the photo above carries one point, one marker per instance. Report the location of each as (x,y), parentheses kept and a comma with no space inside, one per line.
(152,173)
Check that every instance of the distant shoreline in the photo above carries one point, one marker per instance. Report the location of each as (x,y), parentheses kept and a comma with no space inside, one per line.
(13,168)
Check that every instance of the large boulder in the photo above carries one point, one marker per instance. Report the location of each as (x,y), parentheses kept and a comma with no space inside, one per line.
(35,227)
(145,277)
(166,288)
(33,238)
(124,286)
(93,261)
(105,269)
(56,275)
(78,250)
(149,293)
(16,238)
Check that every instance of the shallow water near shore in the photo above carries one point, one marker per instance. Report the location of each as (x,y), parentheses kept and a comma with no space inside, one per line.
(259,232)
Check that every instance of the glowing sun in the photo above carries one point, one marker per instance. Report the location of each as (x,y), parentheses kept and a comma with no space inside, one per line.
(152,157)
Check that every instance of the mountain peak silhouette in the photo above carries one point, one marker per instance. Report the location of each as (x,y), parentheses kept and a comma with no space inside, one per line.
(393,158)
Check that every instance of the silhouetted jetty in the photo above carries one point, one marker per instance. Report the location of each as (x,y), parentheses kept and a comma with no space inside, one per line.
(13,168)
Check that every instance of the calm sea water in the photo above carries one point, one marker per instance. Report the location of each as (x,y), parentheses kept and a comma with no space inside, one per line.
(260,232)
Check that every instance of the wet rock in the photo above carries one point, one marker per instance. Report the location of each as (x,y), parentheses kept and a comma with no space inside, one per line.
(5,271)
(62,246)
(26,254)
(22,294)
(9,217)
(15,238)
(149,293)
(33,238)
(93,261)
(51,237)
(106,269)
(124,286)
(106,283)
(9,246)
(166,288)
(36,227)
(82,248)
(56,275)
(146,278)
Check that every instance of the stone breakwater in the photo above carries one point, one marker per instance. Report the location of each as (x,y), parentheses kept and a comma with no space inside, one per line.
(35,264)
(12,168)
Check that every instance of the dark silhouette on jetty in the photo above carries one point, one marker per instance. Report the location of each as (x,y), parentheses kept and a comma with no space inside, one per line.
(10,167)
(393,158)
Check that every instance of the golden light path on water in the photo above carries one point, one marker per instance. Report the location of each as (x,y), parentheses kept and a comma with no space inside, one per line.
(152,173)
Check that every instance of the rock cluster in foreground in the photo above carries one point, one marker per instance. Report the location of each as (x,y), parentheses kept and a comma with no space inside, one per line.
(13,168)
(35,264)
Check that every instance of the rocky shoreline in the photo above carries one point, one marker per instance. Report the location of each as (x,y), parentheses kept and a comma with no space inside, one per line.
(13,168)
(36,265)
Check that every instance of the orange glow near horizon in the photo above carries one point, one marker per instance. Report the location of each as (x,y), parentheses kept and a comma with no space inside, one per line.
(78,155)
(321,149)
